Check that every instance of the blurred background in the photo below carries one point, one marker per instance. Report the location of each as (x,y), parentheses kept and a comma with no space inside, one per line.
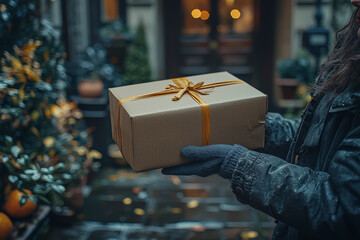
(58,163)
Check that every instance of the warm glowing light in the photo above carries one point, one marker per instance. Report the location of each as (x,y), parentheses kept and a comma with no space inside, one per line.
(139,211)
(176,210)
(196,13)
(198,228)
(175,179)
(229,2)
(249,234)
(235,13)
(127,201)
(205,15)
(192,204)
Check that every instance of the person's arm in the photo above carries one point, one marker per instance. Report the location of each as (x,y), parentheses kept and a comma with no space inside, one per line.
(279,132)
(318,203)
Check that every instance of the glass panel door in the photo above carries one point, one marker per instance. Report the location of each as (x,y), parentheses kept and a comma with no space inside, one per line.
(235,16)
(216,35)
(196,15)
(235,37)
(195,31)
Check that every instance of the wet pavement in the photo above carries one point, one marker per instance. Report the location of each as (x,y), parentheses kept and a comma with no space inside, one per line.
(123,205)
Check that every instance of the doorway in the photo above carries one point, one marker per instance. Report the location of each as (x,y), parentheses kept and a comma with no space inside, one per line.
(203,36)
(216,35)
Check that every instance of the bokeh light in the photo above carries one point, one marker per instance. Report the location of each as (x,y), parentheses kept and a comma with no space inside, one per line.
(127,201)
(235,13)
(205,15)
(196,13)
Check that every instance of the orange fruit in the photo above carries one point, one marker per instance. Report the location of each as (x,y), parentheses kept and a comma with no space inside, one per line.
(13,204)
(5,226)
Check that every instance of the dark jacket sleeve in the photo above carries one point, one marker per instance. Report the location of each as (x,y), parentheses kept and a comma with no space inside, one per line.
(279,132)
(325,204)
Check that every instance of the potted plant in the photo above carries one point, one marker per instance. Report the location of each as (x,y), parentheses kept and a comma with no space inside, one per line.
(91,86)
(292,72)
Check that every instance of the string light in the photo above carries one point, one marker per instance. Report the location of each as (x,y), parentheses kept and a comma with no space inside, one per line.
(205,15)
(235,13)
(196,13)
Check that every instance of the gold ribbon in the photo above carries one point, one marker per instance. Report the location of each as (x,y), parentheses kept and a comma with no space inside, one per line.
(182,85)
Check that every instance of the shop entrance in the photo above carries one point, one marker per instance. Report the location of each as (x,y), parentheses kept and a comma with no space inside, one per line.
(216,35)
(238,36)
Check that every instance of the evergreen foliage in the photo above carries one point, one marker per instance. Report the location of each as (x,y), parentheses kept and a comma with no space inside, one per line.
(43,145)
(15,16)
(137,68)
(299,67)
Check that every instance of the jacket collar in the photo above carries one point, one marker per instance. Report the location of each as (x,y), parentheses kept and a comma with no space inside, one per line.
(345,101)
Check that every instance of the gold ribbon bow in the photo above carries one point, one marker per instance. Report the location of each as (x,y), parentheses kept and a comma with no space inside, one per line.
(183,85)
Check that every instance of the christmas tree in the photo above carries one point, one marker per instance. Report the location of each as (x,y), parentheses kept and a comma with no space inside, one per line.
(43,143)
(137,68)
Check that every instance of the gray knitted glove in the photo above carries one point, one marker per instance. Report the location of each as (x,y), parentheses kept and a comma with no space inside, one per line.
(207,160)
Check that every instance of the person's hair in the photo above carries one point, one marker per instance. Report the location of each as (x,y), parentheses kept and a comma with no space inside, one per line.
(342,66)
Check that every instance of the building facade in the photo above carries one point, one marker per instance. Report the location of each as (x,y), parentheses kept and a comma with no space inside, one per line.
(187,37)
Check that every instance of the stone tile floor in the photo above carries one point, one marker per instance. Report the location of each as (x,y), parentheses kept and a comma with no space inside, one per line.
(123,205)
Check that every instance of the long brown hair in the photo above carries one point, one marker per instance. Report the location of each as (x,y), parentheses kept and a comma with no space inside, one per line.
(342,66)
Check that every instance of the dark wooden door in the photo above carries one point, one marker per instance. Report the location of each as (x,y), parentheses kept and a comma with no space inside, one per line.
(215,35)
(244,46)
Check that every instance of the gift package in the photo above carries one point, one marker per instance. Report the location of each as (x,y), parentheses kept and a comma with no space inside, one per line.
(152,121)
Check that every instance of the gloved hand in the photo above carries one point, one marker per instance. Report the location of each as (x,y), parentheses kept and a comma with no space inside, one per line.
(207,160)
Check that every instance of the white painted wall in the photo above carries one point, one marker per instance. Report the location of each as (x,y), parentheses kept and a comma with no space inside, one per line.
(303,17)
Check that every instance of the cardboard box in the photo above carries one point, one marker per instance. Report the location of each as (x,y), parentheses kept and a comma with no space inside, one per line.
(154,129)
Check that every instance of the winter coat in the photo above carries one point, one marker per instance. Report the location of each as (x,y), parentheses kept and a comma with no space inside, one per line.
(315,192)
